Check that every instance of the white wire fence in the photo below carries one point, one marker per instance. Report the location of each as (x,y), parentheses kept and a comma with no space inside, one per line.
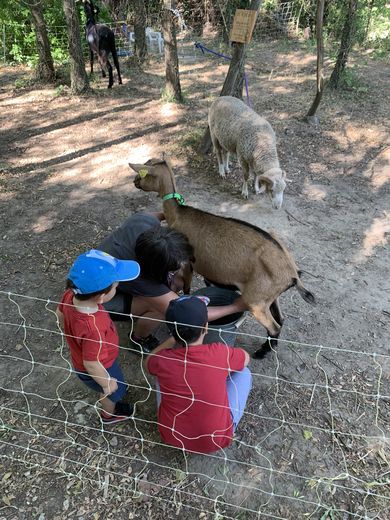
(313,442)
(18,41)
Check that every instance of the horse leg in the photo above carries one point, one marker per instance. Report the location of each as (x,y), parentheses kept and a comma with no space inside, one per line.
(103,60)
(110,75)
(116,63)
(91,59)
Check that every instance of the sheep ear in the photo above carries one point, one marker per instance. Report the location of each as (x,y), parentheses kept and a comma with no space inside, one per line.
(266,180)
(284,175)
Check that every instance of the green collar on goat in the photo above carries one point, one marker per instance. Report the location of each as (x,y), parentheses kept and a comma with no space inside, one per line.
(177,196)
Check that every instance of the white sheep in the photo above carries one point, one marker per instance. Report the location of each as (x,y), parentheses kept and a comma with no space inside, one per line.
(236,128)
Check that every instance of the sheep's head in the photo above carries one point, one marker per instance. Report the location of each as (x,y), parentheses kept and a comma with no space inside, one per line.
(150,176)
(274,184)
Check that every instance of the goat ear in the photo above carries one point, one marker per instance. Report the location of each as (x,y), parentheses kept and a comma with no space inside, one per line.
(138,167)
(167,160)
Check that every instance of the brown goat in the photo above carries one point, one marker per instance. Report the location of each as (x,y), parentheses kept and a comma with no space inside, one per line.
(229,251)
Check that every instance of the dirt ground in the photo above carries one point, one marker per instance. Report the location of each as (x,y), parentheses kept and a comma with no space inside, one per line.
(314,442)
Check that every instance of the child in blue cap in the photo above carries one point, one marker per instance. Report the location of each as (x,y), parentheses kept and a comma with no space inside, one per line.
(90,333)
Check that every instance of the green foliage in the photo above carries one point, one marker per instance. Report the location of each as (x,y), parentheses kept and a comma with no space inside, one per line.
(372,23)
(168,97)
(22,83)
(351,81)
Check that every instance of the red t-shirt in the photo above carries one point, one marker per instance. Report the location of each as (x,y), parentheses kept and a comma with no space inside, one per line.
(91,337)
(194,410)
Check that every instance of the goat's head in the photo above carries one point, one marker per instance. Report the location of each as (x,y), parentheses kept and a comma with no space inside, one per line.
(274,184)
(154,175)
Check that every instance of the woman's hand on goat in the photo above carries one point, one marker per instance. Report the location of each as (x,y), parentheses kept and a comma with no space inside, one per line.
(214,313)
(239,305)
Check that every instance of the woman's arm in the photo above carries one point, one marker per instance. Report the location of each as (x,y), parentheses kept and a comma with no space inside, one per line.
(214,313)
(152,304)
(160,216)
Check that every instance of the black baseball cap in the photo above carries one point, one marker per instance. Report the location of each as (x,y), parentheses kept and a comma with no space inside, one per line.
(187,310)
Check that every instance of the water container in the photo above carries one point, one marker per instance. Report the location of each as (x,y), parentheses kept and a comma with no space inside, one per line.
(227,325)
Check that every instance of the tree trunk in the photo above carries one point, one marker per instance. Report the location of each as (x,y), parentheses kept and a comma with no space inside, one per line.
(370,8)
(234,80)
(172,78)
(78,76)
(345,45)
(140,49)
(310,116)
(45,68)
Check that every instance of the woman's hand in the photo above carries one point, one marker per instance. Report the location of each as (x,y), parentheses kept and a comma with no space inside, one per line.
(240,305)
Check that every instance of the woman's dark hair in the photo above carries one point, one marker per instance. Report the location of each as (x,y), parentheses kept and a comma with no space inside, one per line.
(185,334)
(83,297)
(160,250)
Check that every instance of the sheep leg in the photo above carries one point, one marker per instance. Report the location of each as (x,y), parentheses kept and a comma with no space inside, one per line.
(245,170)
(218,153)
(259,189)
(225,156)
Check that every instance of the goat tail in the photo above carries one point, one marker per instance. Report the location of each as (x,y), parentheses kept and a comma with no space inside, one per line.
(306,295)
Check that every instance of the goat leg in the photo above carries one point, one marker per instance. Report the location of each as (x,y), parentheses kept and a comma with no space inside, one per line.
(187,271)
(269,317)
(276,312)
(272,342)
(268,345)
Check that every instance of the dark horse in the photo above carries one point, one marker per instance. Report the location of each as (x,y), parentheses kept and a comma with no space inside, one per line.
(101,41)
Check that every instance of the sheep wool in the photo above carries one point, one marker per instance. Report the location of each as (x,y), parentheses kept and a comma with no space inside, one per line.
(236,128)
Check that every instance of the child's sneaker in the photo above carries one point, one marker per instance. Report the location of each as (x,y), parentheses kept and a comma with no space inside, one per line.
(143,345)
(122,412)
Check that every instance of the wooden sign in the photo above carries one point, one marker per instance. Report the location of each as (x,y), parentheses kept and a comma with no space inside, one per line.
(243,25)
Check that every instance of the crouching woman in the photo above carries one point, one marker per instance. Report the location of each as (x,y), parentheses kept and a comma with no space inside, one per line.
(202,389)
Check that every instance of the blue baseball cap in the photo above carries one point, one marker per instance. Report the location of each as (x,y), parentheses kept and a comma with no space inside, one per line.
(95,270)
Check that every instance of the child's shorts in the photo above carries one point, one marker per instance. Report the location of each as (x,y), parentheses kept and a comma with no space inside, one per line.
(115,371)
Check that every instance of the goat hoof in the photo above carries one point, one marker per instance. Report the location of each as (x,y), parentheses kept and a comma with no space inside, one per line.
(120,82)
(259,354)
(109,86)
